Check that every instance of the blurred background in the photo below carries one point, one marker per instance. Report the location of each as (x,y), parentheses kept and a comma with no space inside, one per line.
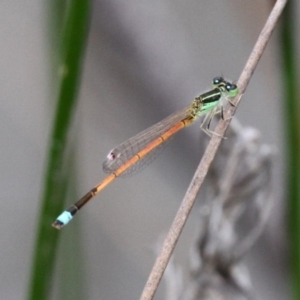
(143,61)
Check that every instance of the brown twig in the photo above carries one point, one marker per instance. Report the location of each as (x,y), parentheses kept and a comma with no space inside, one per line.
(201,172)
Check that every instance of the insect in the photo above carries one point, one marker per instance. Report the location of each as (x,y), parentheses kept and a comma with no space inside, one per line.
(135,152)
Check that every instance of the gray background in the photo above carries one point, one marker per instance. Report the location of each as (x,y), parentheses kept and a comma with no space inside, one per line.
(144,60)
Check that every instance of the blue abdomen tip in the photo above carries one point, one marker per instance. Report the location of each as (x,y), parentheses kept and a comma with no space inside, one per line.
(65,217)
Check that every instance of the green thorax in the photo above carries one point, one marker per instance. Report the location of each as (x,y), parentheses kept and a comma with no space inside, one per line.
(206,102)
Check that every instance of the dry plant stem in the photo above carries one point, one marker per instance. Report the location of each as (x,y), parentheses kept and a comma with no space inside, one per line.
(190,196)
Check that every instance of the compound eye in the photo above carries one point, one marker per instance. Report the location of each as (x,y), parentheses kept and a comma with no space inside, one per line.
(217,80)
(228,87)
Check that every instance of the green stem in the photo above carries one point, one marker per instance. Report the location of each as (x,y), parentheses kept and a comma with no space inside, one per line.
(291,106)
(56,178)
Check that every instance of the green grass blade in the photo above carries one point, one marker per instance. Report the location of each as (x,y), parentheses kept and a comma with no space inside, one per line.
(291,107)
(74,38)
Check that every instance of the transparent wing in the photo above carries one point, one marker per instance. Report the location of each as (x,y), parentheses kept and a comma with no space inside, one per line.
(121,154)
